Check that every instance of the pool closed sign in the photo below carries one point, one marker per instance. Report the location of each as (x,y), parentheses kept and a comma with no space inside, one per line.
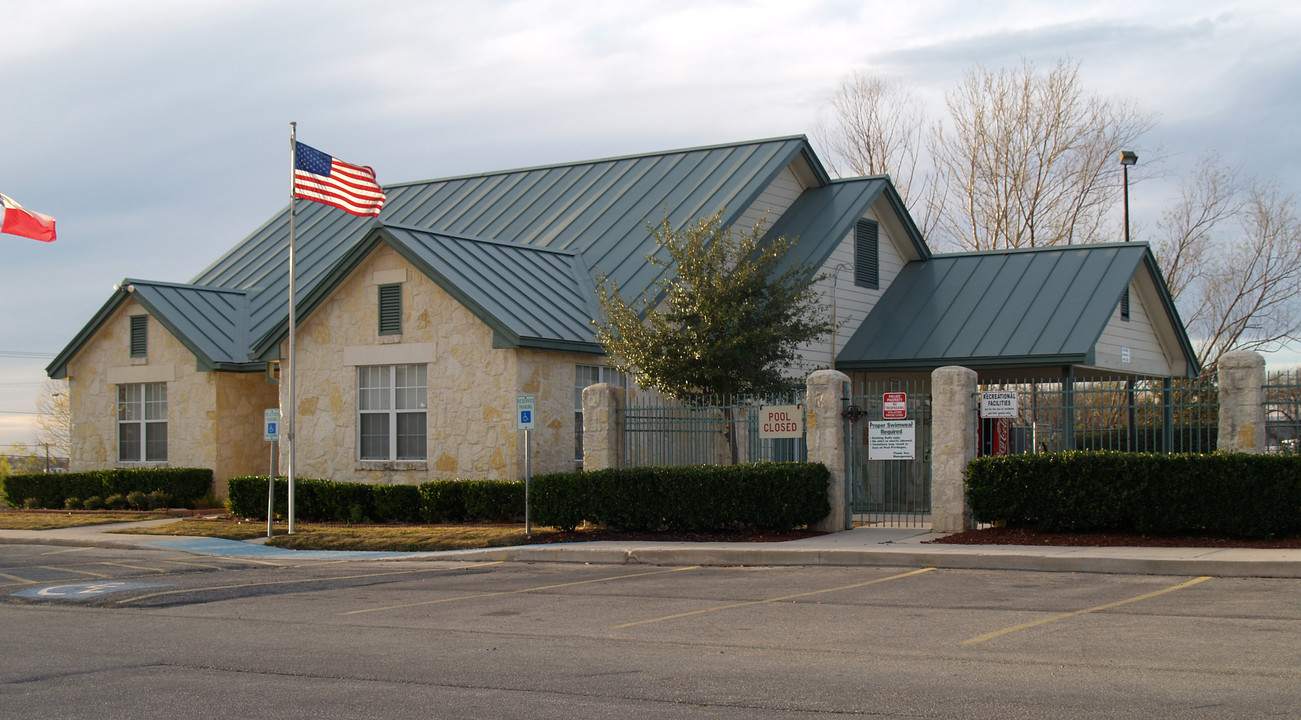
(781,421)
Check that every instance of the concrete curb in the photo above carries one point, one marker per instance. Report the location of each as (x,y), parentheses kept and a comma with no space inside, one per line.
(859,547)
(958,558)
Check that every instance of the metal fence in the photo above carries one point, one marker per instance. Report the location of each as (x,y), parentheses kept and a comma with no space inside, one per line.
(1282,393)
(893,492)
(660,431)
(1162,415)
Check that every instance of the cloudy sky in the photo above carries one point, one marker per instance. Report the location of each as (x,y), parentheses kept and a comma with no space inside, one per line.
(156,131)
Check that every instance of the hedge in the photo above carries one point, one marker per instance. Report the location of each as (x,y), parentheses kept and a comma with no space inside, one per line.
(438,501)
(185,486)
(1227,494)
(766,496)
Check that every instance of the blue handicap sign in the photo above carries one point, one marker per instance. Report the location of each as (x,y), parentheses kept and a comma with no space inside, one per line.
(526,416)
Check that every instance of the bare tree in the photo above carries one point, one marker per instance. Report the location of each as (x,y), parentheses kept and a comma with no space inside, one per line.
(54,418)
(1186,233)
(1235,254)
(1028,159)
(876,128)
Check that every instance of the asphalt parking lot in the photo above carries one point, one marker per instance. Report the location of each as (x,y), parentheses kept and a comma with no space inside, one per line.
(346,638)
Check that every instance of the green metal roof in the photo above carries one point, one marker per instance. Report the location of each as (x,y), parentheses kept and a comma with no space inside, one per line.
(1016,307)
(598,209)
(210,322)
(592,214)
(821,217)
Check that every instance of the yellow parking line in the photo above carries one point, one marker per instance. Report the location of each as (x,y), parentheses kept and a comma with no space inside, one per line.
(295,581)
(67,550)
(518,592)
(999,633)
(133,567)
(70,570)
(772,600)
(19,580)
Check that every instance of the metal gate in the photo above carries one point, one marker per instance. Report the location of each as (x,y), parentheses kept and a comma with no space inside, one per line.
(890,492)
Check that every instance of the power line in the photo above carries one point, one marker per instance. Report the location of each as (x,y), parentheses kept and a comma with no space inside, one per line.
(25,354)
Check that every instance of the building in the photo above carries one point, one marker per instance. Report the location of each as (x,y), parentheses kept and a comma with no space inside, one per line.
(418,329)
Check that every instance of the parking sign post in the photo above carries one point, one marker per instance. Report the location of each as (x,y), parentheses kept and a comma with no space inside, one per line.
(271,433)
(526,419)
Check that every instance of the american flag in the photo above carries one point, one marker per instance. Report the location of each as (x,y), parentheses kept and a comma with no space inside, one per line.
(329,180)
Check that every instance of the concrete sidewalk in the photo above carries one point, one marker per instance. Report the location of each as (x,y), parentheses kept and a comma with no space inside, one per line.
(867,546)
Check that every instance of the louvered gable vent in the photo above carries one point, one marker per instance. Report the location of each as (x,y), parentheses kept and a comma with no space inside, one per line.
(866,267)
(390,309)
(139,336)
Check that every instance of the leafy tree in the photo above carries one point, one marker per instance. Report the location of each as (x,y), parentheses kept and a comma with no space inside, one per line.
(727,315)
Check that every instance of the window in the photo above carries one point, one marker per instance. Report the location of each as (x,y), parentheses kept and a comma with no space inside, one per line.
(392,409)
(142,422)
(139,335)
(585,375)
(1124,305)
(390,309)
(867,271)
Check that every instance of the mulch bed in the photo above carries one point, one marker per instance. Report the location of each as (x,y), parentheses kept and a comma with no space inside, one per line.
(593,534)
(1027,536)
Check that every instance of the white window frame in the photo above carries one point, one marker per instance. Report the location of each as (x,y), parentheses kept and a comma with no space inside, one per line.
(389,396)
(585,375)
(142,422)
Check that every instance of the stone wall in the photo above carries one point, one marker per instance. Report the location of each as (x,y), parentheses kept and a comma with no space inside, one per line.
(471,385)
(212,418)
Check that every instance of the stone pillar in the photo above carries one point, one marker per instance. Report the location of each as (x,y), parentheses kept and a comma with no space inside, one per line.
(826,392)
(953,445)
(602,441)
(1242,402)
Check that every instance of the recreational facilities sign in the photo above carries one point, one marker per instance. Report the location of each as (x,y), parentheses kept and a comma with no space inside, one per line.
(781,421)
(998,404)
(891,440)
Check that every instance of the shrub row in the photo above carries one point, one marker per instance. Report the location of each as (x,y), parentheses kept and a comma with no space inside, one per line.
(184,486)
(439,501)
(1229,494)
(767,496)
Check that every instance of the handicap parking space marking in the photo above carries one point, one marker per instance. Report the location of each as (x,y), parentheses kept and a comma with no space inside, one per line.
(83,591)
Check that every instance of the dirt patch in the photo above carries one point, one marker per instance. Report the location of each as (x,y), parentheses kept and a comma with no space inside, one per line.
(1026,536)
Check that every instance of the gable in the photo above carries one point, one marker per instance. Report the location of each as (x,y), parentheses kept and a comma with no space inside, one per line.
(1046,306)
(209,322)
(596,209)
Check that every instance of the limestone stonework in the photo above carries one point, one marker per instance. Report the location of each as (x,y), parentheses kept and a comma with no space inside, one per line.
(472,386)
(212,418)
(825,392)
(953,445)
(1242,406)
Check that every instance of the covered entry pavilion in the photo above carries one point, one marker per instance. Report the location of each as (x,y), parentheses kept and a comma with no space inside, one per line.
(1050,322)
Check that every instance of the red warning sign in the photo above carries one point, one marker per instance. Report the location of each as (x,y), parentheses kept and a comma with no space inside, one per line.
(894,406)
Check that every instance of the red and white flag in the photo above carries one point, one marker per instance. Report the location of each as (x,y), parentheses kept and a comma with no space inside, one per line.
(17,220)
(329,180)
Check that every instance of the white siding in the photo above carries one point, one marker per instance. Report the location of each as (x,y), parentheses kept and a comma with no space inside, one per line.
(775,200)
(1146,355)
(853,303)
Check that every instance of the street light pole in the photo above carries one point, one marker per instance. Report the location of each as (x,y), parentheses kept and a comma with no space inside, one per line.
(1127,158)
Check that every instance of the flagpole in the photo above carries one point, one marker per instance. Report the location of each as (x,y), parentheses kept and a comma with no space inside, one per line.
(293,318)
